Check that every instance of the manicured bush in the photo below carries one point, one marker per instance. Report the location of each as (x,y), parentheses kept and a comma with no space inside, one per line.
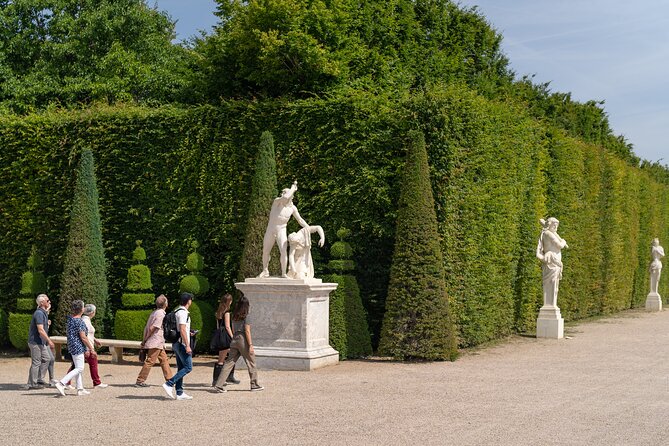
(137,300)
(18,325)
(203,319)
(33,283)
(194,283)
(136,303)
(417,323)
(25,305)
(84,266)
(349,333)
(129,324)
(263,193)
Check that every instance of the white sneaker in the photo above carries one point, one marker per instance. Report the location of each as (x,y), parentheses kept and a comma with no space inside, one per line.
(69,387)
(82,392)
(184,396)
(169,390)
(61,388)
(101,386)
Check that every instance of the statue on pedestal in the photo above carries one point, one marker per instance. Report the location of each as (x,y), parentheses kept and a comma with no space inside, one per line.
(282,209)
(300,263)
(549,252)
(656,253)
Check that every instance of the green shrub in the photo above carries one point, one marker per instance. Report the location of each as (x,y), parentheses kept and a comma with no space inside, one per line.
(3,327)
(194,262)
(139,278)
(194,284)
(18,327)
(341,250)
(33,283)
(84,267)
(203,319)
(417,322)
(341,266)
(139,254)
(129,324)
(137,300)
(25,305)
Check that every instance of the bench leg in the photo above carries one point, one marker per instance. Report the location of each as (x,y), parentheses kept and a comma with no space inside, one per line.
(117,355)
(57,353)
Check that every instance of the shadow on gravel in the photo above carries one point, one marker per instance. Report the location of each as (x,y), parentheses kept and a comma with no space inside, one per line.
(5,386)
(141,397)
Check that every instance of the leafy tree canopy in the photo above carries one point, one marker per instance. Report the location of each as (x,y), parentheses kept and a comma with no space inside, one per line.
(72,52)
(271,48)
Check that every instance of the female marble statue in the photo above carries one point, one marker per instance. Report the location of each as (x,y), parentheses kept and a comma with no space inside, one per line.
(549,252)
(656,253)
(301,265)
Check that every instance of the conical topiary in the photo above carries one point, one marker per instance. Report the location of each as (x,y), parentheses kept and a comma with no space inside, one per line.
(202,313)
(84,266)
(417,322)
(138,301)
(33,283)
(263,193)
(349,332)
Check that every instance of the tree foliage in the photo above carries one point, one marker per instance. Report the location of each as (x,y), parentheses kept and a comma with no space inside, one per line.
(72,52)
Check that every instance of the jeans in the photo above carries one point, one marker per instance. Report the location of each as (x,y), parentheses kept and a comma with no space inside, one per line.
(184,367)
(40,363)
(76,372)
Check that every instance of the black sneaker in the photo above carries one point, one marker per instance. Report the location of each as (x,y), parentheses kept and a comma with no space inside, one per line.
(256,388)
(232,380)
(142,385)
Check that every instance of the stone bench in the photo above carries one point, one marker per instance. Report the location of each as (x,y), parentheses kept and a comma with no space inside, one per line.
(116,347)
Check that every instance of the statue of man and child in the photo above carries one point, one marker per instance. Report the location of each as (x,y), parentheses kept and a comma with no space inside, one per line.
(298,264)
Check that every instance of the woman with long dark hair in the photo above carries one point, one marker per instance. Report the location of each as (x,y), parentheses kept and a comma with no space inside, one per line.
(241,345)
(223,319)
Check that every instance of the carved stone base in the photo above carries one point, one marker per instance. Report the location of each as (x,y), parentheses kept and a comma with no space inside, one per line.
(653,302)
(289,321)
(550,323)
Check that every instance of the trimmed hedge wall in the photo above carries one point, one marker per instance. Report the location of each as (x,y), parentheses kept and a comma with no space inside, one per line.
(168,175)
(129,324)
(3,327)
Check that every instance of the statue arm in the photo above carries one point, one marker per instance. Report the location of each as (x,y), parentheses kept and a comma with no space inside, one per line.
(321,234)
(299,219)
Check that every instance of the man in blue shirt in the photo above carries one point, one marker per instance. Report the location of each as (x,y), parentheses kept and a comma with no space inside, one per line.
(39,343)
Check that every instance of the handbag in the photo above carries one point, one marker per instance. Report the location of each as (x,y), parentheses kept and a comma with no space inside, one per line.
(220,339)
(142,354)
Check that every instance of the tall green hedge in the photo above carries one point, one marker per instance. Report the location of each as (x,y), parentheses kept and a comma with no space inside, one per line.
(33,283)
(168,175)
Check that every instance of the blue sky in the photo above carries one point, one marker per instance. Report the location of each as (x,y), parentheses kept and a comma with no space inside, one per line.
(611,50)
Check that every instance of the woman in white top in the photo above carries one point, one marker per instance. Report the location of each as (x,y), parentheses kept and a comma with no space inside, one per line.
(91,357)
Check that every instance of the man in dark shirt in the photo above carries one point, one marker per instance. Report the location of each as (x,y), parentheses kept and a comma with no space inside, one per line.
(39,343)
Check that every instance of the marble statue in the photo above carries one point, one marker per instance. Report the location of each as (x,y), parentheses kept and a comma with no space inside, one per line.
(300,263)
(282,209)
(656,253)
(549,252)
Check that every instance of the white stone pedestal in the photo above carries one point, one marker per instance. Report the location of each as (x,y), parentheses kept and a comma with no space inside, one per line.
(290,322)
(550,323)
(653,302)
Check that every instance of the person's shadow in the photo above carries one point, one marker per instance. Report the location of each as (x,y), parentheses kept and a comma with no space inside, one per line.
(142,397)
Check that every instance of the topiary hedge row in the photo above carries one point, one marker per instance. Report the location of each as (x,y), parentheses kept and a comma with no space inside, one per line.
(172,174)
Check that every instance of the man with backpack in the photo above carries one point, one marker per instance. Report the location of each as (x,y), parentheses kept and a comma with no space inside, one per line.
(177,323)
(154,343)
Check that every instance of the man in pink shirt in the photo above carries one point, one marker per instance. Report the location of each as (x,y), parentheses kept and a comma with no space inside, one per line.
(154,342)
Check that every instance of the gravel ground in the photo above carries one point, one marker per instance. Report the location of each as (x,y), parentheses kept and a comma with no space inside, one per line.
(606,385)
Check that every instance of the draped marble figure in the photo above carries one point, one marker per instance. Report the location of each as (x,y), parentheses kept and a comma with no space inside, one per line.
(656,253)
(549,251)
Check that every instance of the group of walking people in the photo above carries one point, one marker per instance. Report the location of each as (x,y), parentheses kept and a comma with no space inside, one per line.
(81,343)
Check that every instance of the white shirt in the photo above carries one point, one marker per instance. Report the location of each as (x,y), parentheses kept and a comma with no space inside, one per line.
(183,318)
(91,329)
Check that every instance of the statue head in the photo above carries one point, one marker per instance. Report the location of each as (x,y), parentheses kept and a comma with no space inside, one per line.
(552,224)
(655,242)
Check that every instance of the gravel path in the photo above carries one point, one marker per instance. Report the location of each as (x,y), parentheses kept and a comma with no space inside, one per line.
(607,385)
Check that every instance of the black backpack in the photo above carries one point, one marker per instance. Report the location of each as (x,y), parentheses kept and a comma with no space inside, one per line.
(171,331)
